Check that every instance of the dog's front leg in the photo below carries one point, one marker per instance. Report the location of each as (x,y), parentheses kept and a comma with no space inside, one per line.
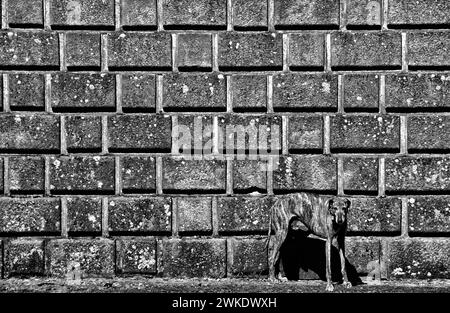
(328,264)
(341,247)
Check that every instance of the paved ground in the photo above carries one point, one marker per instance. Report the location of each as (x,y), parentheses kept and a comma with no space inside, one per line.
(159,285)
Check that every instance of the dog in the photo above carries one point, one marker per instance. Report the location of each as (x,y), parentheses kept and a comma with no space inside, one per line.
(323,216)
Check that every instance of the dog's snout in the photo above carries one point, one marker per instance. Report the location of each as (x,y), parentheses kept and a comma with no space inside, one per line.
(340,217)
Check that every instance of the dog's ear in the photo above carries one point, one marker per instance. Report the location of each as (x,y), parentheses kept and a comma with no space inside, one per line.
(330,207)
(348,203)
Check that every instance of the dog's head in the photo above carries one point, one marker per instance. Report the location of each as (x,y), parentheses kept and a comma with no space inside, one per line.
(338,208)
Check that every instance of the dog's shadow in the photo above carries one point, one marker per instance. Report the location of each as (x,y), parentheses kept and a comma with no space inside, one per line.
(300,252)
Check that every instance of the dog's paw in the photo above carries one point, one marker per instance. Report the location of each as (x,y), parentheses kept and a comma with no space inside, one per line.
(282,278)
(330,287)
(347,284)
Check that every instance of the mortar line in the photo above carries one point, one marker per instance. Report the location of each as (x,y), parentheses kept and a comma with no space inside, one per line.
(286,41)
(104,52)
(6,176)
(270,15)
(328,52)
(62,52)
(269,176)
(269,87)
(326,134)
(343,15)
(175,217)
(118,176)
(340,175)
(64,212)
(4,14)
(404,52)
(158,165)
(105,217)
(63,136)
(159,14)
(215,142)
(47,175)
(104,134)
(405,217)
(340,93)
(229,15)
(384,13)
(381,177)
(229,177)
(48,93)
(6,107)
(118,14)
(159,94)
(174,52)
(284,134)
(175,146)
(214,216)
(215,52)
(47,18)
(229,94)
(403,134)
(382,94)
(119,93)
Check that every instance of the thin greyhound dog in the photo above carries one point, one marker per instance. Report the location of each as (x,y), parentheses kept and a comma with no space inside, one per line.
(323,216)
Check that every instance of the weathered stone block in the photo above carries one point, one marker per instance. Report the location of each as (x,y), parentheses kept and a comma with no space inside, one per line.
(306,51)
(138,174)
(247,257)
(84,215)
(428,49)
(138,13)
(361,92)
(306,13)
(418,13)
(255,51)
(136,256)
(93,257)
(305,134)
(194,51)
(249,92)
(249,14)
(83,92)
(364,254)
(26,92)
(83,133)
(138,93)
(26,215)
(25,13)
(82,13)
(198,14)
(194,214)
(249,175)
(430,133)
(363,13)
(139,133)
(83,51)
(24,258)
(193,258)
(429,214)
(143,214)
(193,135)
(82,174)
(361,175)
(26,175)
(305,92)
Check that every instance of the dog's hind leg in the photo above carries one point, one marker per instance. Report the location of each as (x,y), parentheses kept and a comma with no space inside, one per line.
(274,253)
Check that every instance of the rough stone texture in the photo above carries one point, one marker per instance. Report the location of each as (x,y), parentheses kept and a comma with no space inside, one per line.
(365,133)
(361,175)
(429,214)
(83,133)
(140,215)
(31,49)
(363,13)
(428,133)
(83,50)
(26,175)
(136,256)
(252,133)
(422,258)
(194,258)
(249,92)
(139,132)
(138,93)
(197,14)
(83,92)
(305,134)
(373,215)
(249,175)
(194,92)
(249,14)
(194,51)
(364,254)
(298,13)
(305,173)
(244,214)
(244,51)
(180,175)
(82,13)
(361,92)
(424,174)
(95,257)
(366,50)
(429,49)
(29,133)
(195,135)
(425,12)
(25,13)
(138,13)
(84,215)
(82,174)
(26,91)
(24,257)
(247,257)
(139,51)
(194,214)
(305,92)
(28,215)
(417,91)
(138,174)
(306,51)
(1,176)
